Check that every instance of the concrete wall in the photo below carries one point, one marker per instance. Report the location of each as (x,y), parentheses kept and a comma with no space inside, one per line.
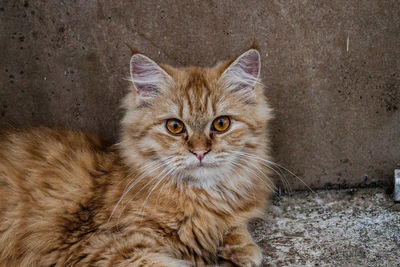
(331,69)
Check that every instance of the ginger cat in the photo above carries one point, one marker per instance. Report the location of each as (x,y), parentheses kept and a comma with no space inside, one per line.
(177,190)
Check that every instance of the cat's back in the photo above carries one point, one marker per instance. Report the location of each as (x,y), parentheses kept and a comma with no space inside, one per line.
(46,176)
(32,158)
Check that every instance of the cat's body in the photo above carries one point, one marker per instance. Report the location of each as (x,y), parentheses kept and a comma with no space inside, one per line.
(67,200)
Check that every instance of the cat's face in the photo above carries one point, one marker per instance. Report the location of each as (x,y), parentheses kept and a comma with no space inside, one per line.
(195,123)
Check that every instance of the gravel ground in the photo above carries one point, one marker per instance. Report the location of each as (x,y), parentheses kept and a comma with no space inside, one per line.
(355,227)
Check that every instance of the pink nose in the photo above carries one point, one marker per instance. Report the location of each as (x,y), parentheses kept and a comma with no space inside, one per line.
(200,153)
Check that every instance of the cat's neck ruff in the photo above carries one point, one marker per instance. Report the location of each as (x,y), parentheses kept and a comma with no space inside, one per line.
(231,193)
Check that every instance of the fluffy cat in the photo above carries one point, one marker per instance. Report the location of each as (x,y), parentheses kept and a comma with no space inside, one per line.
(177,190)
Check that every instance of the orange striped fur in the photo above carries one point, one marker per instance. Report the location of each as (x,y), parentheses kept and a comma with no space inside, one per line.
(67,200)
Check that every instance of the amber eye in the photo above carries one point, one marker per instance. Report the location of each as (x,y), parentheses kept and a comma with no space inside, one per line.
(175,126)
(221,124)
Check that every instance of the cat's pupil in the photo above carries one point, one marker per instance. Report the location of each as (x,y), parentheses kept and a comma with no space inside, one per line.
(175,125)
(221,122)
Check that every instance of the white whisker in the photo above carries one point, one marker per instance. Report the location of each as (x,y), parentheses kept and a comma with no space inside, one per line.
(154,187)
(165,163)
(278,165)
(256,175)
(145,171)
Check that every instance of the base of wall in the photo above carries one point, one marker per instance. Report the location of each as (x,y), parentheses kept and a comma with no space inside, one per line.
(353,227)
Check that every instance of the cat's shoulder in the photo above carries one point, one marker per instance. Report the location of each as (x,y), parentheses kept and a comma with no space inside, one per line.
(52,151)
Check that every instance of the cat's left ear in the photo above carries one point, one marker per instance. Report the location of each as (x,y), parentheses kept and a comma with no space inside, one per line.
(242,74)
(148,78)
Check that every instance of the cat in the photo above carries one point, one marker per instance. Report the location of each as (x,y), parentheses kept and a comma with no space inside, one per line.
(177,190)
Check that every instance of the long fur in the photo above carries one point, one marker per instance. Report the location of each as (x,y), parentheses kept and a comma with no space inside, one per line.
(67,200)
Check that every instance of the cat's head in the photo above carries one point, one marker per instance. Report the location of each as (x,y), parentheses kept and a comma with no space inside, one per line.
(194,124)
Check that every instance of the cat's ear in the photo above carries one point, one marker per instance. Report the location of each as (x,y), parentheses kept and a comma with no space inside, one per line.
(242,74)
(148,77)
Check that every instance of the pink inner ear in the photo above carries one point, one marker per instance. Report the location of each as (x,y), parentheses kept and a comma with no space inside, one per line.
(250,63)
(146,75)
(243,73)
(138,72)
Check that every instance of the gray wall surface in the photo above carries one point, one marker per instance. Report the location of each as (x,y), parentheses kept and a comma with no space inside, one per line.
(331,70)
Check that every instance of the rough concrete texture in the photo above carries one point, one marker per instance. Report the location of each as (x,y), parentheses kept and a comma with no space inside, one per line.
(331,228)
(331,69)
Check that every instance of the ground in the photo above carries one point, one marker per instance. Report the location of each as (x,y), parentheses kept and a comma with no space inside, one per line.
(353,227)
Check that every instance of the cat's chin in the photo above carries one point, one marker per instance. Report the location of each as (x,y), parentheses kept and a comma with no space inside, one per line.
(201,182)
(202,166)
(204,175)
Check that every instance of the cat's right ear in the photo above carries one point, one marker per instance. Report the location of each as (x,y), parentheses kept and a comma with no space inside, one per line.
(148,78)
